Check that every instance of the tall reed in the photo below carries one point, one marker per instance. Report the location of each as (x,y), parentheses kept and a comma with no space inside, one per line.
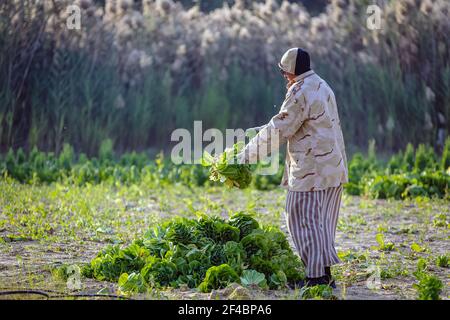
(139,69)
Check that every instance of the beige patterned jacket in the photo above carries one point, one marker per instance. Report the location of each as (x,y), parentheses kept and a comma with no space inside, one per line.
(308,120)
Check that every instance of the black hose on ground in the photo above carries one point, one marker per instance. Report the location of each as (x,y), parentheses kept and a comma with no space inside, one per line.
(58,294)
(35,292)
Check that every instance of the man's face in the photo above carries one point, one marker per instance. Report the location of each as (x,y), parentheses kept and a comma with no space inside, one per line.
(288,76)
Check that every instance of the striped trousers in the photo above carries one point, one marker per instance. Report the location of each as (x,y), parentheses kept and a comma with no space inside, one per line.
(311,220)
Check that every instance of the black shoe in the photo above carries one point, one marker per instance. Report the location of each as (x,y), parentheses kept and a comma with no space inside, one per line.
(331,282)
(311,282)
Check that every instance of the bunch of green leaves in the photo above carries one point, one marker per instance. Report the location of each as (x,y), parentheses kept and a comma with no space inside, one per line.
(252,278)
(269,253)
(244,222)
(159,272)
(383,187)
(226,169)
(111,262)
(132,283)
(180,231)
(218,277)
(217,229)
(428,286)
(235,255)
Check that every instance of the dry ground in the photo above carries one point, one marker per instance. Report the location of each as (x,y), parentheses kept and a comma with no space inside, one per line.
(45,226)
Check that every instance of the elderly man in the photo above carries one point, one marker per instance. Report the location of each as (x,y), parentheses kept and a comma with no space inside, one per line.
(316,163)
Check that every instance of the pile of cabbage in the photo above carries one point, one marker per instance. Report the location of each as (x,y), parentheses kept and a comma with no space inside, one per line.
(205,253)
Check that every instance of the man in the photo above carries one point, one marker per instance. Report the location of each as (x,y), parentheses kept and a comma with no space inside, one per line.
(316,163)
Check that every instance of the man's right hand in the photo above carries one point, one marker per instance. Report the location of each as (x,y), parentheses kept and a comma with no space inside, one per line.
(251,132)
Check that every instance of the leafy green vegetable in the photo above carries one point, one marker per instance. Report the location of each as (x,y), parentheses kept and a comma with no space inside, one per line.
(277,280)
(217,230)
(226,169)
(112,261)
(440,220)
(180,231)
(253,278)
(218,277)
(256,244)
(244,222)
(132,283)
(429,286)
(216,254)
(235,255)
(159,272)
(288,263)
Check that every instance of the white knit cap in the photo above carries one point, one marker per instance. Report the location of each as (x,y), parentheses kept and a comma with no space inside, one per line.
(295,61)
(288,61)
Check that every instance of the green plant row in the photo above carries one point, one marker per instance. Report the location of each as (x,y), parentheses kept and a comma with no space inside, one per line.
(409,173)
(205,253)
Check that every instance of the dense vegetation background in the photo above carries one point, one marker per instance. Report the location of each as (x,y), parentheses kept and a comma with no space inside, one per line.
(137,70)
(86,192)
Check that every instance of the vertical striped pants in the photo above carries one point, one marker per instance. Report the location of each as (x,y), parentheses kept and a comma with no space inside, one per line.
(311,219)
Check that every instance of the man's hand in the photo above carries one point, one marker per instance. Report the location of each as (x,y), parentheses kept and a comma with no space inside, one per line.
(252,132)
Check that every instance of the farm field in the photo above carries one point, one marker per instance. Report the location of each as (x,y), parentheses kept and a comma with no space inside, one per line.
(122,133)
(46,226)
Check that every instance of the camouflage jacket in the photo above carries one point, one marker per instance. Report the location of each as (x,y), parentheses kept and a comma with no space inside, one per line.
(309,122)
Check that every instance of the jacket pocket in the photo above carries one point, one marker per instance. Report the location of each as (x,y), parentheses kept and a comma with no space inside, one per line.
(301,143)
(303,164)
